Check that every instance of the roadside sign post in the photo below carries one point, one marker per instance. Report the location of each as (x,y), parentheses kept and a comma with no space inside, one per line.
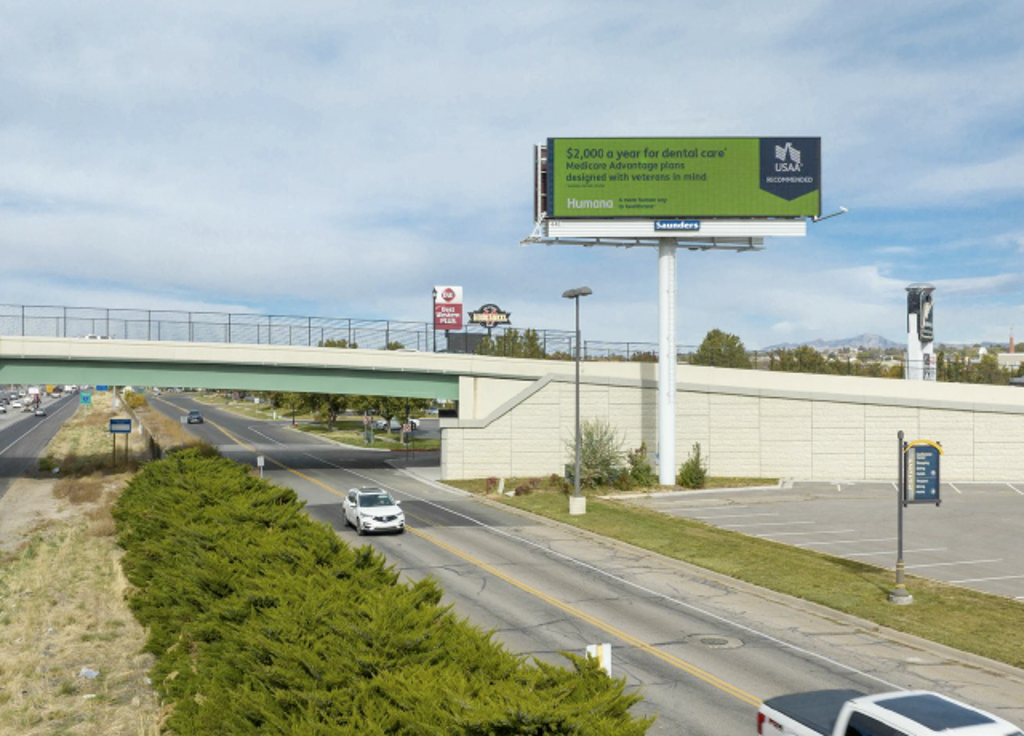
(85,399)
(918,473)
(259,464)
(120,426)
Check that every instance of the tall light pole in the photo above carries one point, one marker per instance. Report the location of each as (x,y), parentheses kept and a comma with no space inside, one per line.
(577,503)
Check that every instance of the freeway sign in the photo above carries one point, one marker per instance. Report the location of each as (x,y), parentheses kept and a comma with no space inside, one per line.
(85,397)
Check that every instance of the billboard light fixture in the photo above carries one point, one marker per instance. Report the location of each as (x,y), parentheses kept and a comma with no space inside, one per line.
(841,211)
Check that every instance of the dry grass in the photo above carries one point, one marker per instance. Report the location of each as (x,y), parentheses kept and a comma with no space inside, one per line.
(62,599)
(62,609)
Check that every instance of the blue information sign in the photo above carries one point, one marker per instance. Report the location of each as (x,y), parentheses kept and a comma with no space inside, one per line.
(120,426)
(84,397)
(922,474)
(103,388)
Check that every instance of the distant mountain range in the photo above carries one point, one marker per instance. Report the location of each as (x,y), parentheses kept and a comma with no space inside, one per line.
(865,340)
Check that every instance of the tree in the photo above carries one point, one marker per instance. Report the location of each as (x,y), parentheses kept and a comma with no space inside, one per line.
(803,359)
(338,344)
(722,350)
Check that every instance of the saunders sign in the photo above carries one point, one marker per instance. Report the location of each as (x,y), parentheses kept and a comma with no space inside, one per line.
(657,178)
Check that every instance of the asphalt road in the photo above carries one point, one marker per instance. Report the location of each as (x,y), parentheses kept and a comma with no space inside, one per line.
(971,539)
(24,436)
(702,649)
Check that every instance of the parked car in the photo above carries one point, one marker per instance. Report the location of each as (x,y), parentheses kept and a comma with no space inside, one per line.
(373,510)
(383,425)
(195,417)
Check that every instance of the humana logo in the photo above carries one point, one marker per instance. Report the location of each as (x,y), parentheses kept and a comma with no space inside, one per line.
(590,204)
(787,158)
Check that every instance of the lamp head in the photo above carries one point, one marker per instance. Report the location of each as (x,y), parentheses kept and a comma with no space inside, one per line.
(576,293)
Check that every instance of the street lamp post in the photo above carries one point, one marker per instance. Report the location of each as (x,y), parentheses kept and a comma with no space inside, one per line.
(577,503)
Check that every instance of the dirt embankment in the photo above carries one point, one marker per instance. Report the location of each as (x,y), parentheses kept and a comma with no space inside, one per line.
(70,650)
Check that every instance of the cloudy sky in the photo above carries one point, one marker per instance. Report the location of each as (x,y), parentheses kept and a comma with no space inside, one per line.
(341,158)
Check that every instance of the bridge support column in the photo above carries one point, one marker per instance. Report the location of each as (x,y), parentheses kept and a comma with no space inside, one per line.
(667,363)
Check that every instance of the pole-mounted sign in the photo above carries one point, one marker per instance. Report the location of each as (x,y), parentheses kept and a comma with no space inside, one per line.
(921,472)
(490,315)
(918,473)
(447,307)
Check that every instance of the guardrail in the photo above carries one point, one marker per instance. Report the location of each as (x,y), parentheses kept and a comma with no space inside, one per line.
(271,329)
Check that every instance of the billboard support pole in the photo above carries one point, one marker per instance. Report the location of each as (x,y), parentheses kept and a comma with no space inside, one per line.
(667,363)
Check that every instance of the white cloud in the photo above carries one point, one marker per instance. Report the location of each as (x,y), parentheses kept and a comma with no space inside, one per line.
(342,159)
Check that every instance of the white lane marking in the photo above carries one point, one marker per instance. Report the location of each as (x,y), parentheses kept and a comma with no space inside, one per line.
(622,581)
(839,487)
(631,584)
(848,541)
(894,486)
(1016,488)
(767,523)
(803,534)
(984,580)
(893,552)
(945,564)
(732,516)
(953,486)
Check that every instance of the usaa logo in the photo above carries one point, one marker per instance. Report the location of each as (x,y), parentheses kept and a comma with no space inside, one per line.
(787,159)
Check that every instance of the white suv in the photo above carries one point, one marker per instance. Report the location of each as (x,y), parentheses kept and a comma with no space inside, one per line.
(373,510)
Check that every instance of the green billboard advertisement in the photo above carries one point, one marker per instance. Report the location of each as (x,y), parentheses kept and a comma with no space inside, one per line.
(683,177)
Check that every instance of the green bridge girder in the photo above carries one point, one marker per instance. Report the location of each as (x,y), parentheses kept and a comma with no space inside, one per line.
(305,379)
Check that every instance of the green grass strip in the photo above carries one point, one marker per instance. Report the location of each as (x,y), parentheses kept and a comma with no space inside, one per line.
(972,621)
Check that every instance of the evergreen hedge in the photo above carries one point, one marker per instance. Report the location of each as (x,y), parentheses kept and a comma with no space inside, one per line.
(264,622)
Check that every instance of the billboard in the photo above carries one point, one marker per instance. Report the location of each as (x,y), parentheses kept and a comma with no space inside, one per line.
(447,307)
(682,177)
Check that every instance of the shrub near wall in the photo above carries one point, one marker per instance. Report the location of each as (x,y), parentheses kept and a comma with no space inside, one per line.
(264,622)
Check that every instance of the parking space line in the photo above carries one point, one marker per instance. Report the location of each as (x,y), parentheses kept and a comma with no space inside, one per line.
(803,534)
(849,541)
(767,523)
(893,552)
(1016,488)
(945,564)
(732,516)
(984,580)
(713,508)
(953,486)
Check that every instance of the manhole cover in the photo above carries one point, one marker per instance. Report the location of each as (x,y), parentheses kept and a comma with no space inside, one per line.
(714,641)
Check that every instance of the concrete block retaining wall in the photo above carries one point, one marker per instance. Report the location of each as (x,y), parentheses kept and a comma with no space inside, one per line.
(748,423)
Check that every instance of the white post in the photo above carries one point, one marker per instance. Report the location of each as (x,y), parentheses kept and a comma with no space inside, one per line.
(667,363)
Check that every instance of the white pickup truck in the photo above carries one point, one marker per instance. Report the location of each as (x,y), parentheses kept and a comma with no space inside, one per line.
(852,713)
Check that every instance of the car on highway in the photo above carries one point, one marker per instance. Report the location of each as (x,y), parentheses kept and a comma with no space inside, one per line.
(373,510)
(15,404)
(3,409)
(40,411)
(194,417)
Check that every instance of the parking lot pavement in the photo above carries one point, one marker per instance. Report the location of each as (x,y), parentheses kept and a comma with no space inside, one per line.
(972,539)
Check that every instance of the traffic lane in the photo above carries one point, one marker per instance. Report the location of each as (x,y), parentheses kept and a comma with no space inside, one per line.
(909,665)
(452,574)
(22,442)
(530,626)
(970,540)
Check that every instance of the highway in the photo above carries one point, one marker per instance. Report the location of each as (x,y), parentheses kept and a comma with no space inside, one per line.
(24,436)
(701,648)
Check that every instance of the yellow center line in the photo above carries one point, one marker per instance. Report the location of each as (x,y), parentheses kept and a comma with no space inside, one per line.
(598,623)
(625,637)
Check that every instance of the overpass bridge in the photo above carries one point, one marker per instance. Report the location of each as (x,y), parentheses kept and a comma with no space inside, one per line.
(516,416)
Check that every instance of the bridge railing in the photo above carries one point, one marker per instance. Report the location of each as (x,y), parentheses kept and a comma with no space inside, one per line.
(263,329)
